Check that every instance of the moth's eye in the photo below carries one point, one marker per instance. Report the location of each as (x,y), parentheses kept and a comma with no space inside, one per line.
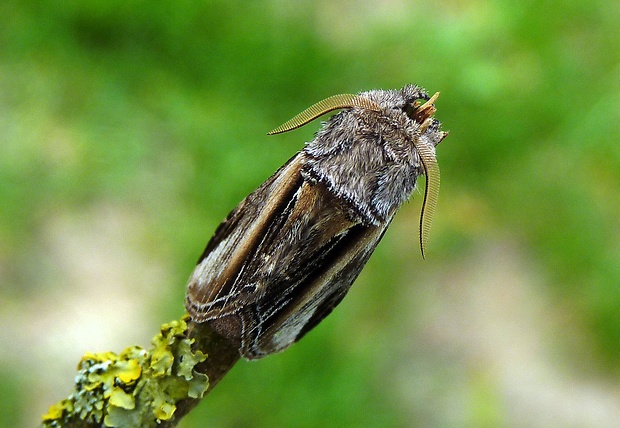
(410,109)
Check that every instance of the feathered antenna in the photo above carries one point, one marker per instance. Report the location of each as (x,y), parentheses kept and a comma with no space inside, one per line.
(431,170)
(328,104)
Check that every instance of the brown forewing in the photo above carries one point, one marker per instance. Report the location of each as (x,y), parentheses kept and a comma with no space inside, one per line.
(279,263)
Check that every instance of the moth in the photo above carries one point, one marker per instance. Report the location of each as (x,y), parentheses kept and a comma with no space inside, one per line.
(287,255)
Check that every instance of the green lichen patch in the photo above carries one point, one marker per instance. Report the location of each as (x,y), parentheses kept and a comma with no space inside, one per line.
(136,388)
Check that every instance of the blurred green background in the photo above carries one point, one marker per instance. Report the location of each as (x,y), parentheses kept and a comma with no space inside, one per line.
(129,129)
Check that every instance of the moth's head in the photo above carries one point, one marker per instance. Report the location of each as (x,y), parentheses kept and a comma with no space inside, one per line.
(415,103)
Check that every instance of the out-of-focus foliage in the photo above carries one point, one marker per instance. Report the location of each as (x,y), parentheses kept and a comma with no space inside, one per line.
(129,129)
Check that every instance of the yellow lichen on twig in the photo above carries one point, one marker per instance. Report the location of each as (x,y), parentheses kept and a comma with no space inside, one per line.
(136,388)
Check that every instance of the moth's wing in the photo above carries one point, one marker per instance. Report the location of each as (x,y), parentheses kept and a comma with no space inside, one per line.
(280,262)
(235,240)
